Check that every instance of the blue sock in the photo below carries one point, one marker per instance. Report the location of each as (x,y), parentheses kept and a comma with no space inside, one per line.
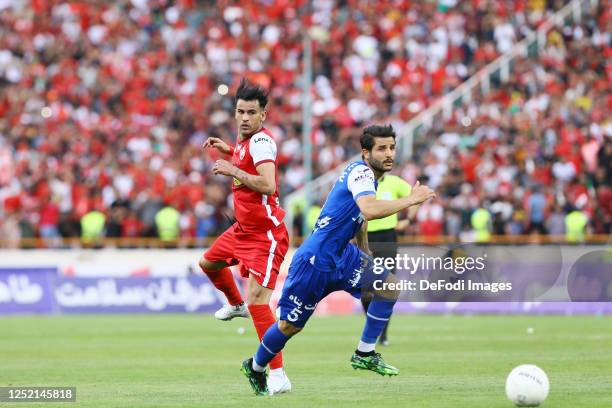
(377,317)
(271,344)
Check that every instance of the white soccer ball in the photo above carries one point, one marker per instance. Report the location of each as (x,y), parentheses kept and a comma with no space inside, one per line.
(527,386)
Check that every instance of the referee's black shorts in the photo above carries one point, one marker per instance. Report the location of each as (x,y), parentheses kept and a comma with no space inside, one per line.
(383,244)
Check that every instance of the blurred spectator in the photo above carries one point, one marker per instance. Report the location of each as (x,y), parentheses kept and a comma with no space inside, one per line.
(482,225)
(555,224)
(167,221)
(149,206)
(453,223)
(313,215)
(516,226)
(430,219)
(575,225)
(69,226)
(131,226)
(92,227)
(206,222)
(49,223)
(536,207)
(118,213)
(10,231)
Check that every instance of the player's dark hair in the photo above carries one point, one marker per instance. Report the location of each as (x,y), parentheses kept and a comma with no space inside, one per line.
(371,132)
(248,91)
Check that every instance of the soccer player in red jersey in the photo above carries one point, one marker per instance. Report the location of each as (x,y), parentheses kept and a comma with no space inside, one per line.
(258,240)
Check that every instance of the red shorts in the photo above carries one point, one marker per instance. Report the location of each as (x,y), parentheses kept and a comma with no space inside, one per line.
(258,253)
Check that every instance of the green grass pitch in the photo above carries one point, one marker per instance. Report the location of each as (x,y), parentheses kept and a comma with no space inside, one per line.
(194,360)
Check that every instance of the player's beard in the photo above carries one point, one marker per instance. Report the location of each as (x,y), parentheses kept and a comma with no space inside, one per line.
(378,165)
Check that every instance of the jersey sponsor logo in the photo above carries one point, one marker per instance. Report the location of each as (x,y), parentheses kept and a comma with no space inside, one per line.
(262,139)
(363,178)
(363,173)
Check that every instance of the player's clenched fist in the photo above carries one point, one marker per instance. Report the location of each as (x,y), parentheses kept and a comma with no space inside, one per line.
(224,168)
(218,144)
(421,193)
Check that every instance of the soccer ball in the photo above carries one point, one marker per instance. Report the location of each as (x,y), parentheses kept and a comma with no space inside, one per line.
(527,385)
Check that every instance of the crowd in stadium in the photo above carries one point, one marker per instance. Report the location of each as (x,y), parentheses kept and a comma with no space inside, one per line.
(104,108)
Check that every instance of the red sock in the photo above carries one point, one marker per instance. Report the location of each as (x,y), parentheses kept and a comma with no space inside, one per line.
(224,281)
(262,320)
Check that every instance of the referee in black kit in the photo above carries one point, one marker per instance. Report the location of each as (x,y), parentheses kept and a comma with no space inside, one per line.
(382,233)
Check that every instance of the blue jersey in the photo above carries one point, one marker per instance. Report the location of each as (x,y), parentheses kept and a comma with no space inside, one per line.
(340,218)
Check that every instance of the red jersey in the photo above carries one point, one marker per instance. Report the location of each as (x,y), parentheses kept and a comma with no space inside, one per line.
(253,210)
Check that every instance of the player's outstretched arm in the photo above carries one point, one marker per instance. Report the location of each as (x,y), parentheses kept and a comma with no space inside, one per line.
(373,209)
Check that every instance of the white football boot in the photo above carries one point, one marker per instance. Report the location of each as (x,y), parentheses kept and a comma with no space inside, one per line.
(278,382)
(228,312)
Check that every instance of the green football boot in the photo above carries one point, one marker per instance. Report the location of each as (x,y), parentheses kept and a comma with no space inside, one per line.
(258,381)
(373,362)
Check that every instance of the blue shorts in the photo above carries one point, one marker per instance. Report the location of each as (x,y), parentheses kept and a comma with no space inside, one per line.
(306,285)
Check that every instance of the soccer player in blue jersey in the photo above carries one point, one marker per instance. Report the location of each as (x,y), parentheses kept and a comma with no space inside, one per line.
(327,261)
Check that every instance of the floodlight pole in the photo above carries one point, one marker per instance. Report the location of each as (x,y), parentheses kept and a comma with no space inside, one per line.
(307,128)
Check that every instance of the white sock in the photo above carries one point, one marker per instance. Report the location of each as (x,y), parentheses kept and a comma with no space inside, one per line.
(365,347)
(257,367)
(276,371)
